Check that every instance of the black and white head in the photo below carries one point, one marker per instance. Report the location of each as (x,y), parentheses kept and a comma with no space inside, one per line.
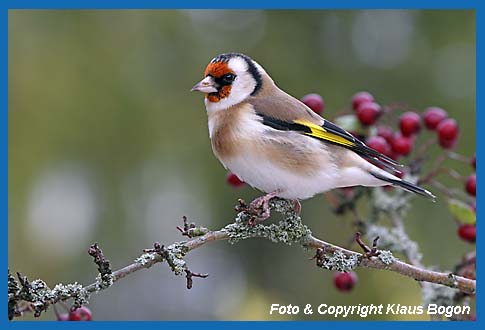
(229,79)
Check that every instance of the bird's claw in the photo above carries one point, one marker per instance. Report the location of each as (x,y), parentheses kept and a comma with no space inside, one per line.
(258,210)
(241,206)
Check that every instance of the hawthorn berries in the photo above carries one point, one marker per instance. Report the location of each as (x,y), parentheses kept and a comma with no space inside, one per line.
(233,180)
(80,314)
(345,282)
(385,132)
(468,233)
(378,143)
(409,123)
(471,185)
(361,97)
(314,102)
(402,145)
(368,112)
(432,116)
(447,131)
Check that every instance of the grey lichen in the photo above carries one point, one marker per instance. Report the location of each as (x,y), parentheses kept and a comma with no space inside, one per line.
(174,255)
(290,230)
(75,291)
(340,262)
(103,282)
(386,257)
(395,240)
(452,282)
(439,294)
(146,258)
(13,296)
(40,296)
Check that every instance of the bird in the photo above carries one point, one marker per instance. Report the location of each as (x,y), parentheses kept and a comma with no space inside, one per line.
(276,144)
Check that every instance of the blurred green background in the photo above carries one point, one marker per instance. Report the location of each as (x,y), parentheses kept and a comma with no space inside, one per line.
(107,144)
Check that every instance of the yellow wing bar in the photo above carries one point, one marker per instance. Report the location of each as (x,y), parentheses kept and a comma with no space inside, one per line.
(321,133)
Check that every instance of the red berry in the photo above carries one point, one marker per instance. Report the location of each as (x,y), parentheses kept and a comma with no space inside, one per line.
(378,143)
(63,317)
(468,233)
(447,129)
(345,282)
(233,180)
(447,144)
(386,132)
(474,162)
(409,123)
(402,145)
(471,185)
(360,98)
(432,116)
(314,102)
(368,112)
(81,314)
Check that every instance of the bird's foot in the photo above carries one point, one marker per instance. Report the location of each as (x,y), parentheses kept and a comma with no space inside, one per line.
(368,252)
(258,209)
(241,206)
(260,206)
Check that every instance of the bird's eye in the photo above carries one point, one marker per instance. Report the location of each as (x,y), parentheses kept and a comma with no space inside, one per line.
(229,77)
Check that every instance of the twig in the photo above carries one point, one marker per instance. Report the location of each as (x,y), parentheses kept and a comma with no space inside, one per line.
(290,230)
(368,252)
(419,274)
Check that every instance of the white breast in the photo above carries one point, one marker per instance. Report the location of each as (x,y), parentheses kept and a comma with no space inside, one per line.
(265,175)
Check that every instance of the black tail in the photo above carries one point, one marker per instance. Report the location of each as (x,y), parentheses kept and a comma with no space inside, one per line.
(406,186)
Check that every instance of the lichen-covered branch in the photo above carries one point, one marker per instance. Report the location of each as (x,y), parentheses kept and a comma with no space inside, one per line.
(36,296)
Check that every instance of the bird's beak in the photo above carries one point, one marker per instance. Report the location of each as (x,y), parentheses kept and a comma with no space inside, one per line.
(206,85)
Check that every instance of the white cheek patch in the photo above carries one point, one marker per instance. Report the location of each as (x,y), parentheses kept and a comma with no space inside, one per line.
(238,65)
(243,86)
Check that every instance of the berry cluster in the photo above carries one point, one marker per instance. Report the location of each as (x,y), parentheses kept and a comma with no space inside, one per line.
(401,143)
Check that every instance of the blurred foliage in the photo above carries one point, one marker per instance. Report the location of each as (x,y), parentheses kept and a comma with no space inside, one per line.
(107,144)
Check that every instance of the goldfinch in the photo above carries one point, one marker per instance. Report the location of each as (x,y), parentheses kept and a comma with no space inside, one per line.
(278,145)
